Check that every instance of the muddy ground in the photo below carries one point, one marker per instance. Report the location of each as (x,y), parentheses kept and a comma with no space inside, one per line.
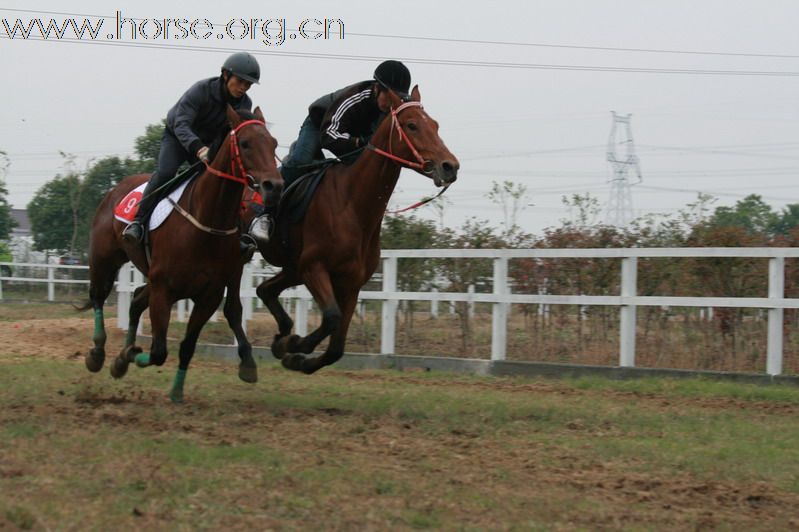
(521,483)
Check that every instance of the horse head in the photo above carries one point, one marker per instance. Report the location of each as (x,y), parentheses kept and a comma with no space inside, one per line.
(417,136)
(255,150)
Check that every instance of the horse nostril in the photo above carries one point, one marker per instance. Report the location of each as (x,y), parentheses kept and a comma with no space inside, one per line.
(267,186)
(450,168)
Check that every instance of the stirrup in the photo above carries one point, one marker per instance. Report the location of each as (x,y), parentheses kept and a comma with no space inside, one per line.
(261,229)
(133,233)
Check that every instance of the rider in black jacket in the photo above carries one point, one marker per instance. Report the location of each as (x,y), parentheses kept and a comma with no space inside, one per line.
(192,124)
(345,120)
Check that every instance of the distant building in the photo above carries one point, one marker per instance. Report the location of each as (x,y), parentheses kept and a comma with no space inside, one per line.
(21,241)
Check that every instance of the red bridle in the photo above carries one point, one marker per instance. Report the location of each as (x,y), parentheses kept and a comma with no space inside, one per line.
(235,159)
(420,164)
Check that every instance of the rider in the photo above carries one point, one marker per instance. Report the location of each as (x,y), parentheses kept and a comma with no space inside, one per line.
(345,120)
(195,121)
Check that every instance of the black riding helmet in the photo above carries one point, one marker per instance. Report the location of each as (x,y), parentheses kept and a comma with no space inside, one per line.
(243,65)
(395,76)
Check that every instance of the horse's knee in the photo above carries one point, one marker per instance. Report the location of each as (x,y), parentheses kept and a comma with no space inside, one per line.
(331,319)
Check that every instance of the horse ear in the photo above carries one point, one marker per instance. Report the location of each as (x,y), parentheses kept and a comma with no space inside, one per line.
(259,115)
(415,95)
(232,117)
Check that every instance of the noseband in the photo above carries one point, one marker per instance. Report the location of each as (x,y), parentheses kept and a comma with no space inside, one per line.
(235,159)
(420,164)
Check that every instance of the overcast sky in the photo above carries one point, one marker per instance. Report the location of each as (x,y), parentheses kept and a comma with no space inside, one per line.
(523,107)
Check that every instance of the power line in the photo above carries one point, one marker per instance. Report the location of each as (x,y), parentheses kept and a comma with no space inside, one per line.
(424,61)
(480,42)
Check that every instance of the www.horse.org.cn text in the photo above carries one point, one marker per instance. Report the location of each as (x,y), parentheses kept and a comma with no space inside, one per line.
(268,31)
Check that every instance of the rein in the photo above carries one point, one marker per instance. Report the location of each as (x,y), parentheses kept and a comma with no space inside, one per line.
(420,164)
(235,159)
(246,180)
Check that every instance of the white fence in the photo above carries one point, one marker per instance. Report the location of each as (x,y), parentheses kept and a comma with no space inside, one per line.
(502,297)
(50,279)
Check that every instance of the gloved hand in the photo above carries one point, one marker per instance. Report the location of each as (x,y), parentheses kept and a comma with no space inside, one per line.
(202,154)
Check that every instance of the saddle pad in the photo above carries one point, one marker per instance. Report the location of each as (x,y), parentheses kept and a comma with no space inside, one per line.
(126,209)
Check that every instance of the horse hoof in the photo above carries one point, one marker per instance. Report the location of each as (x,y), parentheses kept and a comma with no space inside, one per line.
(95,359)
(176,397)
(293,361)
(248,374)
(285,345)
(142,360)
(129,353)
(119,367)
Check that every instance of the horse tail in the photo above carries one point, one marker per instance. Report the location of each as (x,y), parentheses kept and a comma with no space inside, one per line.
(86,306)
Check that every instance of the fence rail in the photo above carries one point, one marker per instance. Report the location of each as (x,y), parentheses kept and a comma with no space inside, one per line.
(501,297)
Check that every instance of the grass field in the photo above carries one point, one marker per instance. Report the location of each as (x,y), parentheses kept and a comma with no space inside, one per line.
(386,450)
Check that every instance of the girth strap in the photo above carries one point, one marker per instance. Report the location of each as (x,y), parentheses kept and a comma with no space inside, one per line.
(196,223)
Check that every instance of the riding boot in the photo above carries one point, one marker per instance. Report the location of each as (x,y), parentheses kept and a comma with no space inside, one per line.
(261,228)
(134,232)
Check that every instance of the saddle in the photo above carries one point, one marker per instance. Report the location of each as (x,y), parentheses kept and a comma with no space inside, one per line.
(296,198)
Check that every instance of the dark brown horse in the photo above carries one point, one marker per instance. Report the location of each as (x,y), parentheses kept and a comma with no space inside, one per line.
(335,249)
(194,253)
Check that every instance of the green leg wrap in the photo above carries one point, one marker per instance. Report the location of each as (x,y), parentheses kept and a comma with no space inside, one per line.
(143,360)
(99,327)
(176,395)
(130,339)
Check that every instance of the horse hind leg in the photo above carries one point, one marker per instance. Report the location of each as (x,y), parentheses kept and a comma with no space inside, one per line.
(100,285)
(140,302)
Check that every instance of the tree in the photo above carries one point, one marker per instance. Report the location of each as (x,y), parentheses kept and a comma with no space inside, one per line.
(148,145)
(787,220)
(751,213)
(62,210)
(51,213)
(511,197)
(7,223)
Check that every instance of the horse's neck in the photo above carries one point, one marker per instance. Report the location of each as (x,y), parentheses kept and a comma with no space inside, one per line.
(215,200)
(371,180)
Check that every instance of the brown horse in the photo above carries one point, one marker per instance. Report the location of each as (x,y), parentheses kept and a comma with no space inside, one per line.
(194,253)
(335,249)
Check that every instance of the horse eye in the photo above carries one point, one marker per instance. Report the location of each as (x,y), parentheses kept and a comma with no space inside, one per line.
(245,144)
(412,126)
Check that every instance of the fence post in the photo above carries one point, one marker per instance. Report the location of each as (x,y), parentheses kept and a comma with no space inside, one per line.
(499,318)
(388,321)
(629,281)
(470,304)
(301,306)
(247,296)
(123,296)
(50,283)
(776,291)
(433,304)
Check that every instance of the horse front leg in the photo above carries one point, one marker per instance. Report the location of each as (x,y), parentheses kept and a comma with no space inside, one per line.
(203,309)
(139,303)
(317,279)
(160,310)
(338,337)
(269,291)
(248,370)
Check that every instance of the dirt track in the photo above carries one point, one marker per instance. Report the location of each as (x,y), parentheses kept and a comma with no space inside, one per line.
(560,483)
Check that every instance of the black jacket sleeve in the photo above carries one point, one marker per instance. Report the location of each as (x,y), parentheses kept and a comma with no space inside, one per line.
(185,113)
(341,120)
